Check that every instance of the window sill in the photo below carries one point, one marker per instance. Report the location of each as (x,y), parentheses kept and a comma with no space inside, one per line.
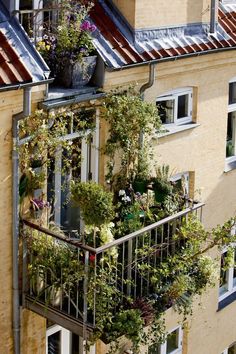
(227,301)
(173,129)
(229,166)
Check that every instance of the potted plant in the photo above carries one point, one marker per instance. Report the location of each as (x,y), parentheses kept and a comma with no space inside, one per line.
(161,183)
(68,47)
(54,267)
(95,203)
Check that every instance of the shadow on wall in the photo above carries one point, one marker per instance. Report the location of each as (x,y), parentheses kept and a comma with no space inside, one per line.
(221,203)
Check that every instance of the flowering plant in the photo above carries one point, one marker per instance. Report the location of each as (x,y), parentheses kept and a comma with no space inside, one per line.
(39,204)
(70,39)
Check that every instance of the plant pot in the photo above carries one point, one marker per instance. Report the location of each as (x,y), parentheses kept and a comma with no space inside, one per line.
(55,296)
(140,186)
(79,73)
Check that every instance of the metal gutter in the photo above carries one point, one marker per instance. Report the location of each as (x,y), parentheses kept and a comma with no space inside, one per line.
(15,218)
(160,60)
(25,85)
(50,104)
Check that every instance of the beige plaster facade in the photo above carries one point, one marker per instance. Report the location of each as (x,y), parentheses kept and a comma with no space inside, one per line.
(32,326)
(200,150)
(153,14)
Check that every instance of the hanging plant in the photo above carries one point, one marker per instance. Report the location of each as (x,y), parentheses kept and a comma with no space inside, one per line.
(129,118)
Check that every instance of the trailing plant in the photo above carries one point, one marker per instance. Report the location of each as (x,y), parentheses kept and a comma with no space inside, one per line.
(42,135)
(129,118)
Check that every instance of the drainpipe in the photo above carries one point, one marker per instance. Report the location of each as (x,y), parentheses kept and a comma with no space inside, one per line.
(150,80)
(15,217)
(144,88)
(213,16)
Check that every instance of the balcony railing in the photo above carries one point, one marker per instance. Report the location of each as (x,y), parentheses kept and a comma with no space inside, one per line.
(37,20)
(64,280)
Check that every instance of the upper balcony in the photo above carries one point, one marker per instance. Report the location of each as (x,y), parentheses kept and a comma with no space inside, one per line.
(79,286)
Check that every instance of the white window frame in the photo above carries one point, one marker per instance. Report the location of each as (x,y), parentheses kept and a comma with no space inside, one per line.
(174,95)
(231,288)
(66,341)
(179,176)
(84,163)
(65,335)
(163,346)
(226,351)
(231,109)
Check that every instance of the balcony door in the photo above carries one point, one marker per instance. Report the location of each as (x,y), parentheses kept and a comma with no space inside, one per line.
(83,167)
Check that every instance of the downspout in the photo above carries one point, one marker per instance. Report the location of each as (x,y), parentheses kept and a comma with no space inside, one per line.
(15,217)
(150,80)
(143,88)
(213,16)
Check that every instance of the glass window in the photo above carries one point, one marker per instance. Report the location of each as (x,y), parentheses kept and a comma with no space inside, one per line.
(182,106)
(223,275)
(172,341)
(173,344)
(232,93)
(230,140)
(175,107)
(166,111)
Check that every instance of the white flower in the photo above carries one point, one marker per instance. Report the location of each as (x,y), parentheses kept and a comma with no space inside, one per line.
(121,192)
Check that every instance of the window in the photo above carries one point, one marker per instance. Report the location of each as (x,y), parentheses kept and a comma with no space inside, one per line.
(227,276)
(172,345)
(176,107)
(83,167)
(230,350)
(231,124)
(181,183)
(60,340)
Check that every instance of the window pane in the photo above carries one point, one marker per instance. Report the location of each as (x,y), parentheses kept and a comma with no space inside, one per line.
(54,343)
(223,275)
(172,341)
(182,106)
(232,349)
(166,111)
(232,92)
(230,140)
(234,274)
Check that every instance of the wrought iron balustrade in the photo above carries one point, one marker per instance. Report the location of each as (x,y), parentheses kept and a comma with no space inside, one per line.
(64,279)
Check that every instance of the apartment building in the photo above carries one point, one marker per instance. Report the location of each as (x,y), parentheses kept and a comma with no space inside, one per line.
(180,55)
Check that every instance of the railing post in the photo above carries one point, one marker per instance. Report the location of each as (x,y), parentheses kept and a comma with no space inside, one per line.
(85,308)
(129,267)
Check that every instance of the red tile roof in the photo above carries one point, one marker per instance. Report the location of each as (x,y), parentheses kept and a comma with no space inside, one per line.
(119,46)
(12,69)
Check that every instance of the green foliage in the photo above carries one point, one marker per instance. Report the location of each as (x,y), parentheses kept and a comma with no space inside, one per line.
(128,117)
(54,262)
(95,203)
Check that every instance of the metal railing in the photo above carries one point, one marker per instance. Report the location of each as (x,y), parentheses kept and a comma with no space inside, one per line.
(64,279)
(36,21)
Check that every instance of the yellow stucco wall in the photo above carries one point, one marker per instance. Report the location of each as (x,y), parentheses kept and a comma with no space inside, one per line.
(11,103)
(162,13)
(202,151)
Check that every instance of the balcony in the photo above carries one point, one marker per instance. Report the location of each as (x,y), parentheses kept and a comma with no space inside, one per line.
(70,283)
